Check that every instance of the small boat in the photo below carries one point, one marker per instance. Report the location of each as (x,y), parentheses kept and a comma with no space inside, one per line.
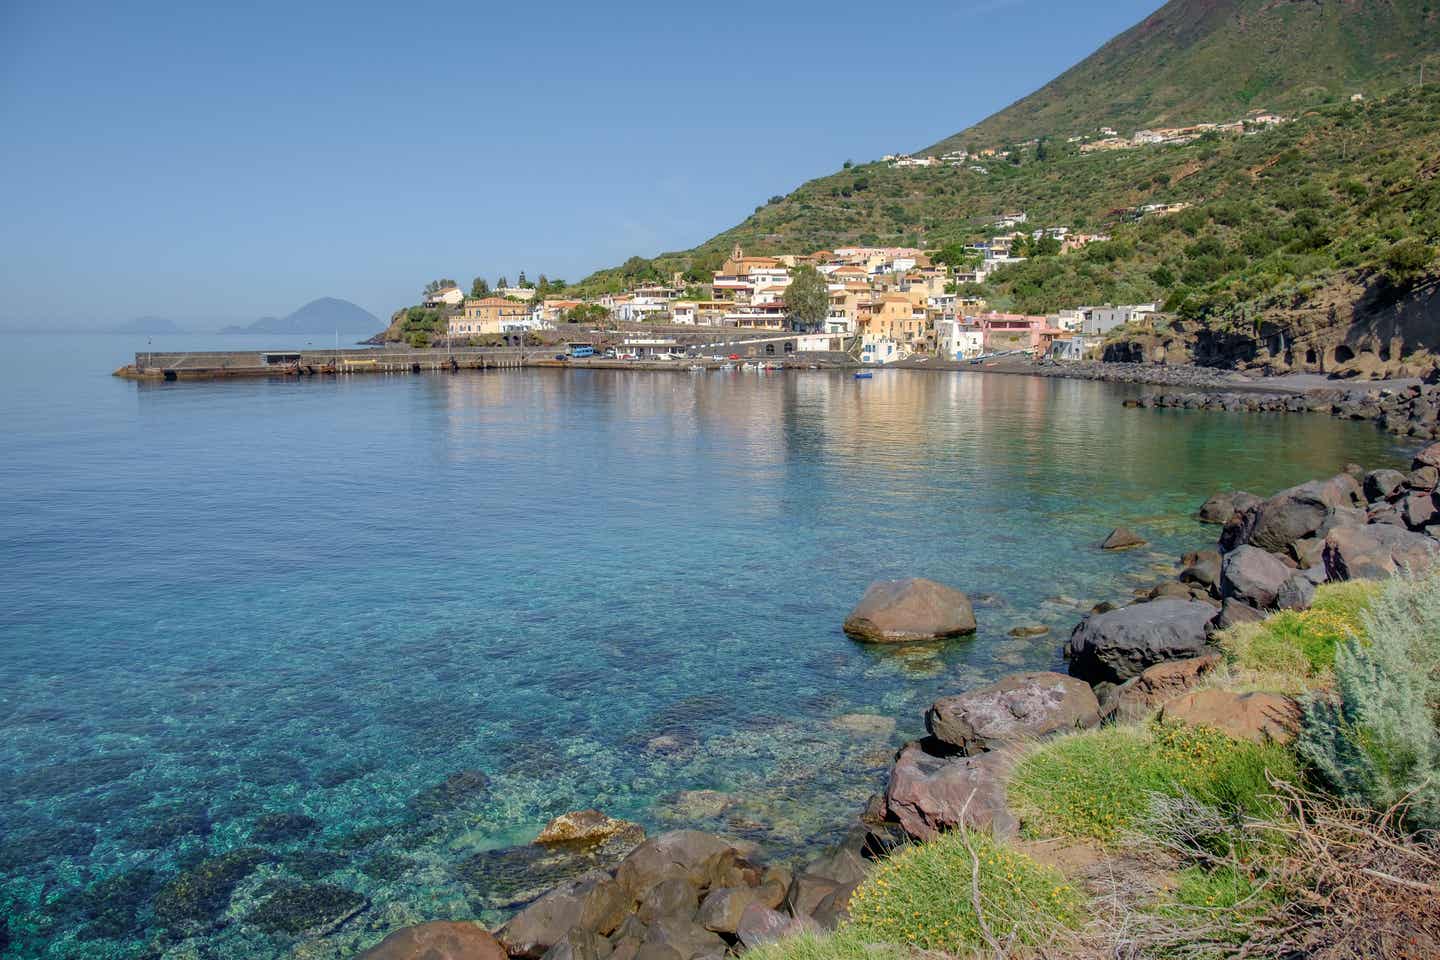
(864,375)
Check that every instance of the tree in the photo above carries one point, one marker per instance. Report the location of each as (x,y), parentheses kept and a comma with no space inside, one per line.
(955,255)
(501,283)
(807,300)
(479,288)
(435,286)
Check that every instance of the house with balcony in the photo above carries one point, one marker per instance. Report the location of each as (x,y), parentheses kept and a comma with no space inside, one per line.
(489,316)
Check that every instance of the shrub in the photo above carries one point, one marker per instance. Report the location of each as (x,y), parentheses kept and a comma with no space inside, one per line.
(1298,645)
(844,944)
(924,896)
(1375,740)
(1098,784)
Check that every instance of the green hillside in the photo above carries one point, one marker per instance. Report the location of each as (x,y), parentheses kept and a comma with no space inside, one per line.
(1213,60)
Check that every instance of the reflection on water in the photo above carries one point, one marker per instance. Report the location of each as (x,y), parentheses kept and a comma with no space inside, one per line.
(299,619)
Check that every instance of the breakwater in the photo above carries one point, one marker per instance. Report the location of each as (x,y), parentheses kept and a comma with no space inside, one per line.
(204,365)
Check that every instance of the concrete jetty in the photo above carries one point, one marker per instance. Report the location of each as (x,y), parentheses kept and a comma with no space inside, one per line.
(207,365)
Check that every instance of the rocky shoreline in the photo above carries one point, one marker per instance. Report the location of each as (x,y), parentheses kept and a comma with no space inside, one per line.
(688,895)
(1410,411)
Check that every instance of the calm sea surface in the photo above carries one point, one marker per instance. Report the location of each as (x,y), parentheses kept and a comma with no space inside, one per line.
(274,617)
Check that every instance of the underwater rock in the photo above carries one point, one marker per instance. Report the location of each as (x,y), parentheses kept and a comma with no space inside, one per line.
(864,724)
(588,828)
(456,790)
(386,866)
(295,908)
(438,940)
(282,827)
(198,897)
(109,909)
(1122,539)
(313,864)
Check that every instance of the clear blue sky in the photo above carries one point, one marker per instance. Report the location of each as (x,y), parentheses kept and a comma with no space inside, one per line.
(218,162)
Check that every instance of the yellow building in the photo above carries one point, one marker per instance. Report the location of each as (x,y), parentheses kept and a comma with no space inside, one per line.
(488,316)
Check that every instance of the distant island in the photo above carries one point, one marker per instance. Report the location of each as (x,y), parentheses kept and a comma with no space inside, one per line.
(325,315)
(148,324)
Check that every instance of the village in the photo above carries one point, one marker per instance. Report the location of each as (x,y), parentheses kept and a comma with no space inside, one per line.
(886,304)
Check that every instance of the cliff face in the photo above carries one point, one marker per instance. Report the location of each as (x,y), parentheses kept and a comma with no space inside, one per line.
(1362,331)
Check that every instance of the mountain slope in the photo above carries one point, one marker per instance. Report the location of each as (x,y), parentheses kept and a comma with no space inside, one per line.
(324,315)
(1209,60)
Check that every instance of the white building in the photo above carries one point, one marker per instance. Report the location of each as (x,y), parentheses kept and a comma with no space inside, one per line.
(875,348)
(449,297)
(956,341)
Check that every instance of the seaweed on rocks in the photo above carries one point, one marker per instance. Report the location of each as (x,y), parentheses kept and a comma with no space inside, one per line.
(282,827)
(457,790)
(313,910)
(198,897)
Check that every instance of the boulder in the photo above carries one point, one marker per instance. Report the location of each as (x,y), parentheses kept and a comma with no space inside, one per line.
(1377,551)
(676,897)
(686,937)
(1296,593)
(580,944)
(680,854)
(1426,478)
(1308,552)
(898,611)
(1022,706)
(926,792)
(1383,484)
(1429,457)
(1300,511)
(438,940)
(835,908)
(1246,716)
(760,925)
(1222,506)
(586,828)
(722,908)
(1253,576)
(593,902)
(1202,568)
(1234,611)
(1164,681)
(1418,510)
(1122,539)
(1118,645)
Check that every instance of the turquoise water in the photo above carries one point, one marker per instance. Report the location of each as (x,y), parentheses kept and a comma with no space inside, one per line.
(275,616)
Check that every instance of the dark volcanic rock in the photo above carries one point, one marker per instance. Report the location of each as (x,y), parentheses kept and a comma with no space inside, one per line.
(1022,706)
(897,611)
(1253,576)
(927,793)
(1418,510)
(1300,511)
(760,925)
(456,790)
(1296,593)
(1426,478)
(1222,506)
(1429,457)
(683,854)
(1122,539)
(282,827)
(1377,551)
(1119,645)
(199,896)
(595,902)
(438,940)
(1383,484)
(1203,569)
(1164,681)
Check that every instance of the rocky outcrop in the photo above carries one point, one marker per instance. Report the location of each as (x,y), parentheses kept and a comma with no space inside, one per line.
(588,828)
(930,791)
(1377,551)
(1222,506)
(1018,708)
(1299,512)
(901,611)
(595,903)
(438,940)
(1118,645)
(1253,576)
(1255,716)
(1412,411)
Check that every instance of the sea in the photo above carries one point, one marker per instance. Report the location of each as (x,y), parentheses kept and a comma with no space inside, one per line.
(290,663)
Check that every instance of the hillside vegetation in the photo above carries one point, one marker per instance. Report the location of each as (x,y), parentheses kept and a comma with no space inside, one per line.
(1212,60)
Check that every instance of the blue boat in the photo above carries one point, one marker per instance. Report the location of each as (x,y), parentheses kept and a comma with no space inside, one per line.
(864,376)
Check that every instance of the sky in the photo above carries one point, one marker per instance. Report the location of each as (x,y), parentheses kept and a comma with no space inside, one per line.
(213,163)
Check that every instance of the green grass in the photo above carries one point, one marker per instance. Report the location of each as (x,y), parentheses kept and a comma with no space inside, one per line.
(844,944)
(1097,785)
(922,897)
(1295,649)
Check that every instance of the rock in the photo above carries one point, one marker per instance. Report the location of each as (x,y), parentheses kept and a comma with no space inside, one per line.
(198,897)
(898,611)
(1383,484)
(1308,552)
(679,853)
(1202,569)
(675,897)
(297,909)
(1251,575)
(1296,593)
(834,910)
(1429,457)
(1020,707)
(1245,716)
(579,944)
(722,908)
(456,790)
(1164,681)
(808,890)
(926,793)
(759,926)
(1118,645)
(594,902)
(1218,509)
(1171,588)
(1418,510)
(656,951)
(585,827)
(1122,539)
(282,827)
(1029,630)
(1234,611)
(1300,511)
(864,724)
(685,937)
(1377,551)
(1426,478)
(438,940)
